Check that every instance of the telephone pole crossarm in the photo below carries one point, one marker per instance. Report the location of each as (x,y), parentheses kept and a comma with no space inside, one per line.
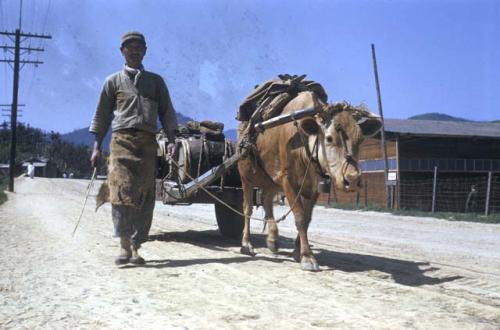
(29,49)
(22,61)
(28,35)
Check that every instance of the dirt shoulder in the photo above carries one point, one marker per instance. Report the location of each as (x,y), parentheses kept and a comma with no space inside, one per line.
(378,270)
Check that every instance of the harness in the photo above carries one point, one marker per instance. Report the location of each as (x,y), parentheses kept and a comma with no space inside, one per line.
(349,159)
(313,156)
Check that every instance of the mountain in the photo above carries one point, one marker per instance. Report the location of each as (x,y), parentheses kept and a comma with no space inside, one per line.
(83,136)
(181,119)
(231,134)
(36,144)
(438,116)
(445,117)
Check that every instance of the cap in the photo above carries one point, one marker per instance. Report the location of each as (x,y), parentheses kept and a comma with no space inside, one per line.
(137,36)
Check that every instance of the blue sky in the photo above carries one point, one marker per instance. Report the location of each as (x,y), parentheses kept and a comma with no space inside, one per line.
(433,56)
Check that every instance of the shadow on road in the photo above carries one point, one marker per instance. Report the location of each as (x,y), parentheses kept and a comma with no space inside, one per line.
(166,263)
(403,272)
(208,239)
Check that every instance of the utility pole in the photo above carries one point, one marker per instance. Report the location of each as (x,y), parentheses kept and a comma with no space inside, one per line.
(382,131)
(18,65)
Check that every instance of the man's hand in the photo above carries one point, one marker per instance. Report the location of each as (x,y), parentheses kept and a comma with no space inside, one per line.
(96,156)
(96,153)
(171,149)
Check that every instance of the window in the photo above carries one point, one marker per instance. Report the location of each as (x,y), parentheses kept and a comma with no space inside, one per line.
(373,165)
(447,165)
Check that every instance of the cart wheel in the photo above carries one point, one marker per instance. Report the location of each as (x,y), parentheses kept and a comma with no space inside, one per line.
(230,224)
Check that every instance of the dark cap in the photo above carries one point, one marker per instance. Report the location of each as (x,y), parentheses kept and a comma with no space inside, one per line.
(137,36)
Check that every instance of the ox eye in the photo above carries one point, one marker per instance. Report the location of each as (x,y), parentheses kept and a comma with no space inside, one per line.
(329,139)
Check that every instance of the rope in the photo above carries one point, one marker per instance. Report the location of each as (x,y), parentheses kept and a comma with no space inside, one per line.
(300,189)
(201,155)
(227,151)
(283,217)
(232,208)
(187,155)
(209,193)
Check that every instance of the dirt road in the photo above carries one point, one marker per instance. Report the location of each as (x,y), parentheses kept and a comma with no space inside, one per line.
(378,270)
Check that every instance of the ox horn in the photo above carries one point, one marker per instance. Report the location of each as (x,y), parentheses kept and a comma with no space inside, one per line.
(331,109)
(369,123)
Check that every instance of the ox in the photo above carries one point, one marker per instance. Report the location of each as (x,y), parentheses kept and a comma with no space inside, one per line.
(284,160)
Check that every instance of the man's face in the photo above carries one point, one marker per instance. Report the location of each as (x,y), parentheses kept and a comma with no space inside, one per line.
(133,52)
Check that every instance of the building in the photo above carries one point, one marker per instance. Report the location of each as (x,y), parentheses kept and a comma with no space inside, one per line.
(463,153)
(43,167)
(4,169)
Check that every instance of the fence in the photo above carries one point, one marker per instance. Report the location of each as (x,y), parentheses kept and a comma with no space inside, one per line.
(478,194)
(423,191)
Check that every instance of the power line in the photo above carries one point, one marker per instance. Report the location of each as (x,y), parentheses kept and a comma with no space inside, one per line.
(20,13)
(45,19)
(3,22)
(34,13)
(2,19)
(34,72)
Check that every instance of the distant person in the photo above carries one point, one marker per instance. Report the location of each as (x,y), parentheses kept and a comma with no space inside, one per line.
(64,175)
(71,175)
(131,101)
(31,170)
(471,202)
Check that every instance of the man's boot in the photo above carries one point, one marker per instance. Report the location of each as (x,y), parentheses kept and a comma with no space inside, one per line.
(125,252)
(136,259)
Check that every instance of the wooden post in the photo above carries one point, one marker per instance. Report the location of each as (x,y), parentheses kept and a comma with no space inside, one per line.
(434,189)
(488,193)
(329,196)
(382,130)
(357,199)
(393,196)
(13,115)
(398,176)
(366,193)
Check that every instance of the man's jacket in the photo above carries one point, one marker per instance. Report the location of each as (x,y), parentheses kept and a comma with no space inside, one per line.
(124,104)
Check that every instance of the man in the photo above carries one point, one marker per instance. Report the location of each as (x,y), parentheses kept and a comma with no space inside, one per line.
(31,170)
(131,101)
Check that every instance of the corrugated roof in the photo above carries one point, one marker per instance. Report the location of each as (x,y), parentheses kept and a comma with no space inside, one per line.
(442,128)
(36,164)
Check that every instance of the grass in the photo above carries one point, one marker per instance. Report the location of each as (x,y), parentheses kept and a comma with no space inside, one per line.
(3,185)
(452,216)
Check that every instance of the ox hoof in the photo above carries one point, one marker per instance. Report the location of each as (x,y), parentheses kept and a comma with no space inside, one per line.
(273,246)
(309,265)
(249,251)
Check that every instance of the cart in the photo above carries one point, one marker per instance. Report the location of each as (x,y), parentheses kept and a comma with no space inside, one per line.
(203,168)
(203,171)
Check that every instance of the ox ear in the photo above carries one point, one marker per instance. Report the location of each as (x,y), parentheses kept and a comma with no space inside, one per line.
(309,126)
(370,125)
